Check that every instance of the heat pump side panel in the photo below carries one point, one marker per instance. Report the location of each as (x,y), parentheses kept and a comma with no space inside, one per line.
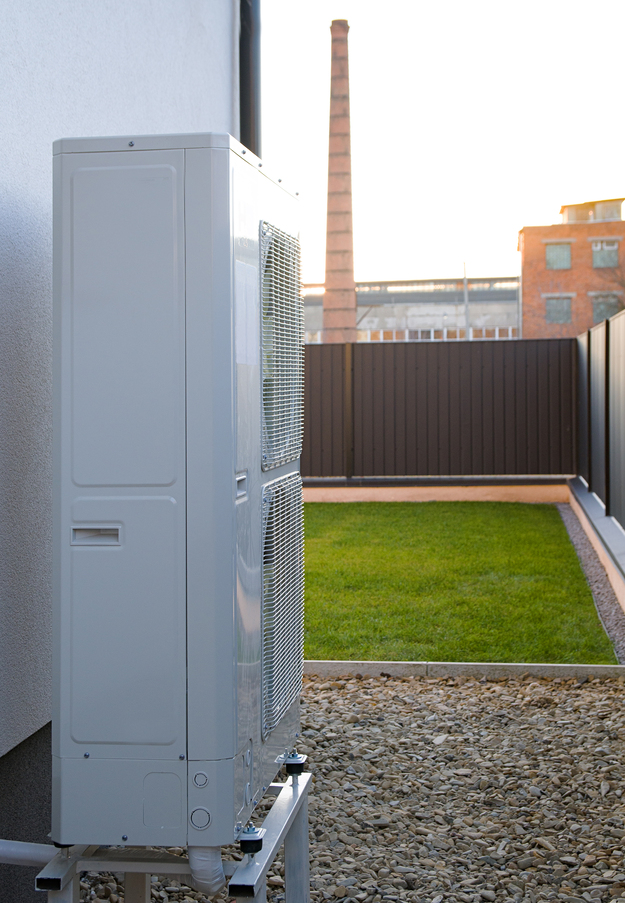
(255,198)
(226,200)
(119,501)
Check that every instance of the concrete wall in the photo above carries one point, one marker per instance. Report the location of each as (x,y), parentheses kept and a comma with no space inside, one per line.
(95,67)
(25,801)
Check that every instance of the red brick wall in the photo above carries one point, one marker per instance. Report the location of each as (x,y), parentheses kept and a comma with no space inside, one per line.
(582,278)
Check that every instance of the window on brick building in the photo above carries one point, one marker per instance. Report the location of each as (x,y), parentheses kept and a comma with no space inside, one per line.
(608,210)
(604,306)
(558,310)
(604,254)
(558,256)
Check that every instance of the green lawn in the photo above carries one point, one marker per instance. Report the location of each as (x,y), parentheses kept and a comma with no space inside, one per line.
(447,581)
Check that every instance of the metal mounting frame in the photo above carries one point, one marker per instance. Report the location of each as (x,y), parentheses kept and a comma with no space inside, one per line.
(286,823)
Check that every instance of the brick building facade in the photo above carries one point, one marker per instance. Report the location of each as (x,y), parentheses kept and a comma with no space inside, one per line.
(573,274)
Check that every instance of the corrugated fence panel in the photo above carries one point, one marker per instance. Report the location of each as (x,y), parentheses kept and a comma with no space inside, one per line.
(616,368)
(499,407)
(515,409)
(476,424)
(455,414)
(532,392)
(465,419)
(363,371)
(554,415)
(543,407)
(487,378)
(323,447)
(444,409)
(568,407)
(582,413)
(401,412)
(597,431)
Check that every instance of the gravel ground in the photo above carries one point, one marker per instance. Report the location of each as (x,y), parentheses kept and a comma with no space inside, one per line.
(608,608)
(455,790)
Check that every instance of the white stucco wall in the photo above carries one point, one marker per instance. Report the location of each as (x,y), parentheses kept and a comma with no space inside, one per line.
(71,68)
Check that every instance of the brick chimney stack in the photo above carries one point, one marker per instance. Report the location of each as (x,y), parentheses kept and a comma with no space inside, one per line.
(339,300)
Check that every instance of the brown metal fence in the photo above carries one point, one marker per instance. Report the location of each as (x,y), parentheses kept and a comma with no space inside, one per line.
(601,381)
(616,417)
(440,409)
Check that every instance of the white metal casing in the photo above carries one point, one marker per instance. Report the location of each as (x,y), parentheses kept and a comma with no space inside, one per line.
(157,490)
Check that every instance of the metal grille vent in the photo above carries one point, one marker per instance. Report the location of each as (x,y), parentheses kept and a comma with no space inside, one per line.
(283,347)
(283,597)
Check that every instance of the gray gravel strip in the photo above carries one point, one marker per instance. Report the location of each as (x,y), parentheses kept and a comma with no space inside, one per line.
(609,611)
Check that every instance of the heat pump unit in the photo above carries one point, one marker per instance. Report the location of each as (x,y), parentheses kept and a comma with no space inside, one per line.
(178,535)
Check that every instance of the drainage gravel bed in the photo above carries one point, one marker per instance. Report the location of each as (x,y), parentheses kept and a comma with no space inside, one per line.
(457,790)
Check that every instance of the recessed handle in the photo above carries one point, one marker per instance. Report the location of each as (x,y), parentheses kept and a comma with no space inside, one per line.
(95,536)
(241,479)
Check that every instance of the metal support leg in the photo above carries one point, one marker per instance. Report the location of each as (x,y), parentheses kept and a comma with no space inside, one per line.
(137,887)
(261,894)
(296,861)
(286,823)
(69,894)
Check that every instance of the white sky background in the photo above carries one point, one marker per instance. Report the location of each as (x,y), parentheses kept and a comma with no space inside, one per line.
(469,121)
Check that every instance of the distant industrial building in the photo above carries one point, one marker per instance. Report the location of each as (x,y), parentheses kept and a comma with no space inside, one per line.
(425,310)
(573,273)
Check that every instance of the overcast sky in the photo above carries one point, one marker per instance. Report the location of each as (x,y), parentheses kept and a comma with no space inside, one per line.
(469,121)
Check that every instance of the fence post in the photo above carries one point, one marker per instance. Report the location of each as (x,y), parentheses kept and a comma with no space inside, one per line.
(348,411)
(575,406)
(607,418)
(588,409)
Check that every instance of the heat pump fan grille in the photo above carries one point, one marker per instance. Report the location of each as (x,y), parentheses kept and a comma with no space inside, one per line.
(283,597)
(283,347)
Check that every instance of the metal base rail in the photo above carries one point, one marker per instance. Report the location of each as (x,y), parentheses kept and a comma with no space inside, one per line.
(286,823)
(459,480)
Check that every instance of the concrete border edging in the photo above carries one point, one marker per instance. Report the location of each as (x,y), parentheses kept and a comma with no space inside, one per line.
(544,494)
(489,670)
